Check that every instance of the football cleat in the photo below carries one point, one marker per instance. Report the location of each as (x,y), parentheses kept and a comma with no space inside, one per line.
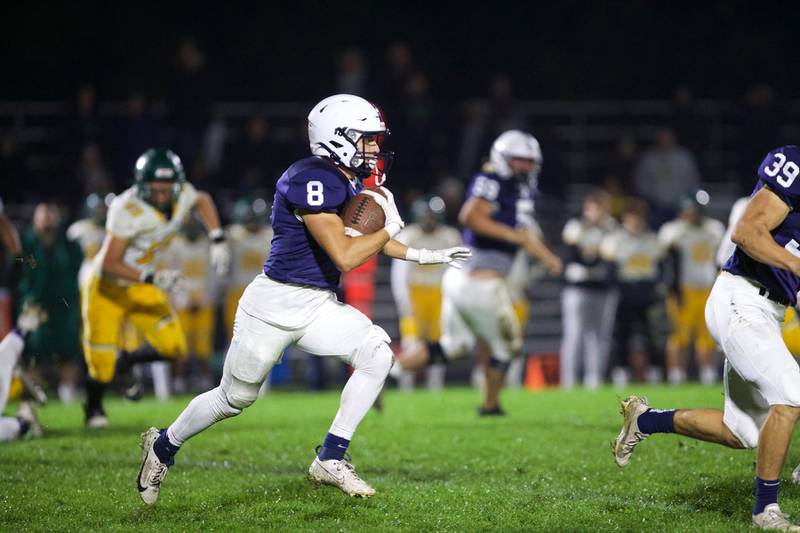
(153,471)
(796,475)
(96,419)
(629,436)
(494,411)
(772,518)
(339,473)
(27,412)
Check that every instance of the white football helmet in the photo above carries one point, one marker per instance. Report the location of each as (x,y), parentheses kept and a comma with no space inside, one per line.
(335,126)
(515,144)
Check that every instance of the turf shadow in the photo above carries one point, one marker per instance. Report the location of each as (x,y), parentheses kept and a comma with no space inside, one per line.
(733,495)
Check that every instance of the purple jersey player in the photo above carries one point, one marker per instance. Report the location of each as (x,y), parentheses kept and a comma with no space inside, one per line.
(293,300)
(498,219)
(744,314)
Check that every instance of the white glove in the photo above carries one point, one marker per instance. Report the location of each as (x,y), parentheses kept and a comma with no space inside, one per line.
(449,256)
(31,317)
(394,223)
(220,257)
(170,281)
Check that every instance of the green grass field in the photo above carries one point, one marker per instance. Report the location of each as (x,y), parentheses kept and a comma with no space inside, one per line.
(436,466)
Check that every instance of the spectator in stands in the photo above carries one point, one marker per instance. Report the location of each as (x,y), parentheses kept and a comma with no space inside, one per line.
(136,132)
(352,73)
(618,180)
(50,279)
(83,127)
(505,113)
(253,160)
(485,119)
(665,173)
(92,175)
(589,300)
(190,103)
(415,131)
(633,258)
(761,121)
(393,76)
(687,122)
(623,164)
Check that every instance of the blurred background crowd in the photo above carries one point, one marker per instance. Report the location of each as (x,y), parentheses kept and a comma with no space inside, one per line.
(629,145)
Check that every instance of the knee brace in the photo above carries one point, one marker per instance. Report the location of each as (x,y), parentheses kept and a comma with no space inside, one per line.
(240,394)
(374,355)
(497,364)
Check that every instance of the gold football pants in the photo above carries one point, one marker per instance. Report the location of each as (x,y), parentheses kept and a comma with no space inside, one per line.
(106,305)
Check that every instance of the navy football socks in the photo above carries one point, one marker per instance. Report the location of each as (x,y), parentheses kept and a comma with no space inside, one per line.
(436,353)
(24,427)
(164,449)
(657,421)
(766,493)
(333,447)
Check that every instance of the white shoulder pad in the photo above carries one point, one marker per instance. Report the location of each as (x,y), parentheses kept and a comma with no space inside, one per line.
(669,232)
(123,214)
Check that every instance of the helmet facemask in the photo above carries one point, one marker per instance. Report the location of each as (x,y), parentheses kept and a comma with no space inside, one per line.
(163,166)
(516,144)
(145,193)
(338,127)
(524,177)
(371,166)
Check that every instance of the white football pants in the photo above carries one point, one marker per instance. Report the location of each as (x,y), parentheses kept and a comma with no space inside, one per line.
(314,321)
(588,322)
(759,369)
(10,348)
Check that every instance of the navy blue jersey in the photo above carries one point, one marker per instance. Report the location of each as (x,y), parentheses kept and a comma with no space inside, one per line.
(313,185)
(779,170)
(512,203)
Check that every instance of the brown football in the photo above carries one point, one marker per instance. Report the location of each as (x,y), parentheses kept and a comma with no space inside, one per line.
(363,214)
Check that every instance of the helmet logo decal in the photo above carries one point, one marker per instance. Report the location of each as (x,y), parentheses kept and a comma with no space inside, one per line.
(164,173)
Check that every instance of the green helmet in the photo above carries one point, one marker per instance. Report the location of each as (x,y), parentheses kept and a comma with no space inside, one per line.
(158,164)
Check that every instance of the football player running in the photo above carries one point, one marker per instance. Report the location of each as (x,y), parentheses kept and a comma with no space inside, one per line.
(744,314)
(124,284)
(293,301)
(498,216)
